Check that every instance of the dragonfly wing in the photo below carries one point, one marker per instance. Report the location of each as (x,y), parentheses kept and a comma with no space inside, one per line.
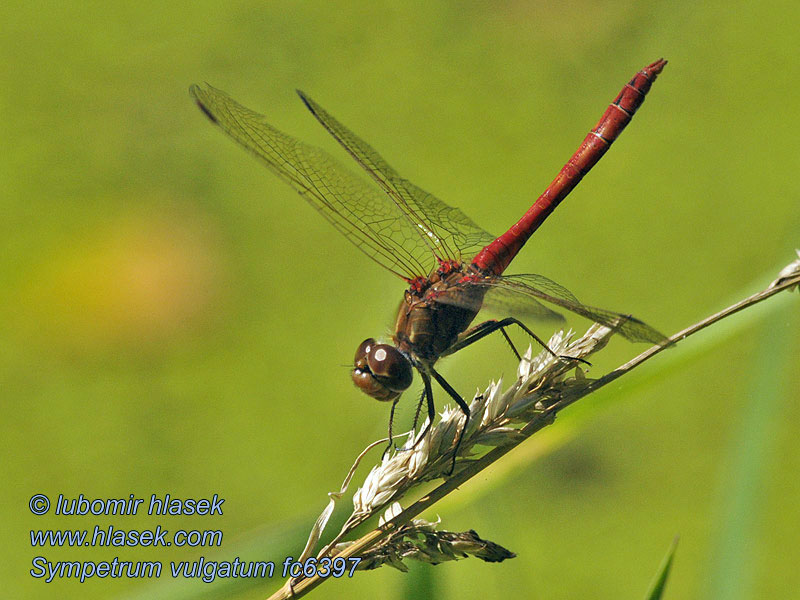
(538,287)
(477,292)
(443,230)
(358,209)
(503,301)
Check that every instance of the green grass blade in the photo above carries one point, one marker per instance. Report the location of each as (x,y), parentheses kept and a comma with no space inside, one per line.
(660,581)
(752,449)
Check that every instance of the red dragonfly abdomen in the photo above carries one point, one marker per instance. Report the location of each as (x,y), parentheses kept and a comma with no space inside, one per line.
(495,257)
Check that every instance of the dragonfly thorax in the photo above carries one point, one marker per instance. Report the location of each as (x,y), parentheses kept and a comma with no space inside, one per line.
(431,318)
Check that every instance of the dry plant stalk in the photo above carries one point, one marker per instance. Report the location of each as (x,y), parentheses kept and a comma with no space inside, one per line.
(501,420)
(420,540)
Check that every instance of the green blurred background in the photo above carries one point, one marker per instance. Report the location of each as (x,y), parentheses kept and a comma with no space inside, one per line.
(176,320)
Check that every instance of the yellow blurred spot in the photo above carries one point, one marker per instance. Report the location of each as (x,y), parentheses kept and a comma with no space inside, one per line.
(130,282)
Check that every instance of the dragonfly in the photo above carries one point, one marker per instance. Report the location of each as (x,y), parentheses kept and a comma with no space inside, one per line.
(452,267)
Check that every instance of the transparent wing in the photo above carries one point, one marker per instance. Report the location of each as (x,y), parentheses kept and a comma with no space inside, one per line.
(502,301)
(359,210)
(444,230)
(520,295)
(404,229)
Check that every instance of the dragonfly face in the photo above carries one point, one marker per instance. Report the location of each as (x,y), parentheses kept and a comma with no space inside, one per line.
(381,371)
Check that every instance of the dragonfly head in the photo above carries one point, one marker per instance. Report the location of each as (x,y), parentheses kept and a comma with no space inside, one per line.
(381,371)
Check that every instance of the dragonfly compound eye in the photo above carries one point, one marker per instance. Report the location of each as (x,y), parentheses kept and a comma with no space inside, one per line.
(362,351)
(381,371)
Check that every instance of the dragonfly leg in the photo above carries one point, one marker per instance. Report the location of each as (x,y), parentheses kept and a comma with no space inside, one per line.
(427,394)
(513,321)
(391,421)
(488,327)
(510,343)
(472,335)
(464,408)
(422,397)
